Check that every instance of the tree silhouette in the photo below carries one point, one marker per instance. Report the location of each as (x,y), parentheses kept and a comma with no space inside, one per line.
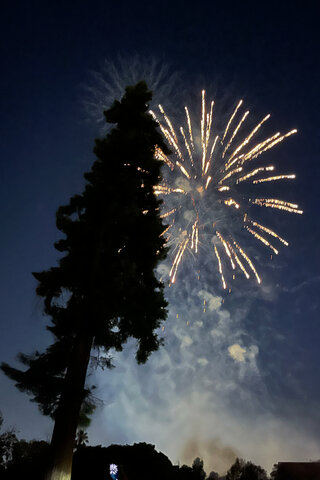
(242,470)
(234,472)
(28,460)
(253,472)
(197,468)
(213,476)
(104,289)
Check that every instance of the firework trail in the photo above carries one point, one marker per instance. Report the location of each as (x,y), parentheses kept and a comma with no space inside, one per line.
(204,199)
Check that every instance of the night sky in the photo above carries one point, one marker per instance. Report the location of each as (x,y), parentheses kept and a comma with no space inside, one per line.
(243,378)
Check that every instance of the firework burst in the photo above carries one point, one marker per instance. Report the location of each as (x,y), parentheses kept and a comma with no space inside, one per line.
(205,201)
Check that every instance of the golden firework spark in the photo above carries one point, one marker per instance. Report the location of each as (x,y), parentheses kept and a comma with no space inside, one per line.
(166,230)
(225,244)
(235,133)
(164,190)
(245,256)
(269,231)
(272,179)
(167,214)
(231,203)
(220,267)
(238,261)
(231,119)
(248,138)
(254,172)
(275,203)
(203,185)
(262,239)
(177,260)
(228,175)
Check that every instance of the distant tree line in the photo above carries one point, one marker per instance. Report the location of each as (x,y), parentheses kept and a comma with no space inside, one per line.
(27,459)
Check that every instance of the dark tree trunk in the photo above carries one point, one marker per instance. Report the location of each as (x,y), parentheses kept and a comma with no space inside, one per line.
(67,416)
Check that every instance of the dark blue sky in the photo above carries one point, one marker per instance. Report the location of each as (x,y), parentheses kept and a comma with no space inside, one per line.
(265,52)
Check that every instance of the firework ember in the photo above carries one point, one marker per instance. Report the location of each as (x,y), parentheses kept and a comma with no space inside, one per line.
(201,190)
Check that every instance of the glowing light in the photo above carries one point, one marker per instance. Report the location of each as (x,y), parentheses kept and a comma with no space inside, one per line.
(224,243)
(231,119)
(230,202)
(195,236)
(207,182)
(201,170)
(254,172)
(235,132)
(220,267)
(278,140)
(165,230)
(189,127)
(228,175)
(238,261)
(275,203)
(162,156)
(168,123)
(210,156)
(167,214)
(248,138)
(187,145)
(183,170)
(272,179)
(245,256)
(262,239)
(253,153)
(164,190)
(270,232)
(177,260)
(113,469)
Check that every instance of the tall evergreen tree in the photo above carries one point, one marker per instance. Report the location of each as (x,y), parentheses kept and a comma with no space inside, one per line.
(104,289)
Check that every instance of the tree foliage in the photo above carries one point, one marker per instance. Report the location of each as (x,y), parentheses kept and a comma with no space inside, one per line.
(44,376)
(105,283)
(197,467)
(242,470)
(104,288)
